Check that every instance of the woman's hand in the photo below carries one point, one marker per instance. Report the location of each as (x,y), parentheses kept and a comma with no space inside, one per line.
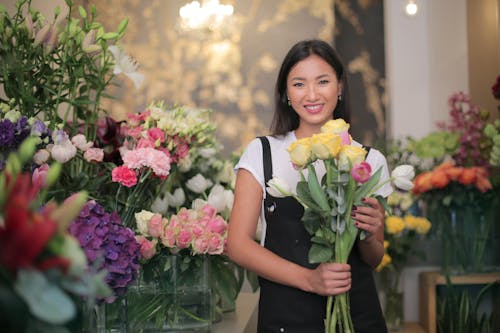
(370,218)
(330,279)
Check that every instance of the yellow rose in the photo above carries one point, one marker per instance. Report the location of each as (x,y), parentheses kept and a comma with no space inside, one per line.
(325,145)
(352,154)
(386,244)
(386,260)
(300,152)
(420,224)
(335,126)
(394,224)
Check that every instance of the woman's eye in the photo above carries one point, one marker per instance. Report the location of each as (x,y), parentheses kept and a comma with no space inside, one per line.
(298,84)
(324,81)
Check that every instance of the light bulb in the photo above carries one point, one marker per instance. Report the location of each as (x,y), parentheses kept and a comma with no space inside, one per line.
(411,8)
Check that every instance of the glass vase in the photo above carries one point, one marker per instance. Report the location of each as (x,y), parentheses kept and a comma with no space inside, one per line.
(465,236)
(174,298)
(393,300)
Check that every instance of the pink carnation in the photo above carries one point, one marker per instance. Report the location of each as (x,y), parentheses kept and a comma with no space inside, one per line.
(124,176)
(145,143)
(156,134)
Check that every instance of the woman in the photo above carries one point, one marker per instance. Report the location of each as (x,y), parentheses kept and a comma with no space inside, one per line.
(310,90)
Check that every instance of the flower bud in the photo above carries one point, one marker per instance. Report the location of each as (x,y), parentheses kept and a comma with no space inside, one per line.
(53,174)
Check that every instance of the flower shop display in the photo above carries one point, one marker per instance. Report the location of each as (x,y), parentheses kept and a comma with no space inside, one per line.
(328,202)
(461,193)
(43,271)
(402,229)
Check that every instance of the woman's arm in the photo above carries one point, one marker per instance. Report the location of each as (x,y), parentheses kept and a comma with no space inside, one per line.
(327,279)
(371,219)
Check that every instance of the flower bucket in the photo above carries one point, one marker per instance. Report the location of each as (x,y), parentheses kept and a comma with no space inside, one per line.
(466,237)
(174,297)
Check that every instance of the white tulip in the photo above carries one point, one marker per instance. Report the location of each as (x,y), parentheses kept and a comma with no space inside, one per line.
(278,188)
(402,177)
(207,152)
(185,164)
(177,198)
(160,205)
(198,184)
(198,204)
(220,198)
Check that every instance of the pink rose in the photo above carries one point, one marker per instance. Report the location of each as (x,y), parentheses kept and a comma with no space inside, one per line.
(168,236)
(124,176)
(346,138)
(184,239)
(361,172)
(200,245)
(217,225)
(155,225)
(209,210)
(93,154)
(215,244)
(147,247)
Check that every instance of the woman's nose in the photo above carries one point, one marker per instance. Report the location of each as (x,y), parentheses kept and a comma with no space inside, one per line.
(311,93)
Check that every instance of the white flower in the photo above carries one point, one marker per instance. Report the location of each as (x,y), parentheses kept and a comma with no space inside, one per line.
(177,198)
(226,174)
(63,152)
(184,165)
(80,142)
(402,177)
(198,184)
(126,65)
(220,198)
(198,204)
(160,205)
(278,188)
(142,219)
(207,152)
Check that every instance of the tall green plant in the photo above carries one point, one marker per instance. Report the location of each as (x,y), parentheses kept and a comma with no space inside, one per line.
(458,312)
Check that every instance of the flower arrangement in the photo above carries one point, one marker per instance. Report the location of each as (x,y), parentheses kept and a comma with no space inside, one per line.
(43,272)
(107,245)
(328,203)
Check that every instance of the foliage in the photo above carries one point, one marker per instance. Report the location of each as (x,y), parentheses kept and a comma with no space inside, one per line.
(458,312)
(43,272)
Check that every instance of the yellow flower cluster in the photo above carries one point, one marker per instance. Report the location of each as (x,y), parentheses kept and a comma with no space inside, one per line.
(327,145)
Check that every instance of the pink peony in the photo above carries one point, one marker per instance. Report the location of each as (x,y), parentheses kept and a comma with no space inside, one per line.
(124,176)
(361,172)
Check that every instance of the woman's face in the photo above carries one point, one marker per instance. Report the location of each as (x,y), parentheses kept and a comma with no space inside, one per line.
(313,89)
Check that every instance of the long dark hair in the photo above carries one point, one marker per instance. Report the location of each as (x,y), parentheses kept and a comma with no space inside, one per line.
(285,119)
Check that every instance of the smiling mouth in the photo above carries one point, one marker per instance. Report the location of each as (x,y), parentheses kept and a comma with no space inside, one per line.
(314,108)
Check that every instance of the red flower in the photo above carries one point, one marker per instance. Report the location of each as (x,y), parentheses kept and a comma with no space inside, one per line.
(25,233)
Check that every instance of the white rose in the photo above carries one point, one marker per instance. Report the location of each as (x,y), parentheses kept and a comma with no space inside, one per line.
(142,219)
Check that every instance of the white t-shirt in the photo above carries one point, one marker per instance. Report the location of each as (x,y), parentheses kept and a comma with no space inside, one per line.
(251,160)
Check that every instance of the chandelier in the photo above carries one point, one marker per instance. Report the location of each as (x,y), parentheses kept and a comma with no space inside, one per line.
(209,15)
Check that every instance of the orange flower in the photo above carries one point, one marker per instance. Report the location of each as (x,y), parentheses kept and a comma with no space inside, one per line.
(482,183)
(422,183)
(445,166)
(468,176)
(439,178)
(454,172)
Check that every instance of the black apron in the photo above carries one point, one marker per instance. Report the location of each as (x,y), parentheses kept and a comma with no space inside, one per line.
(287,309)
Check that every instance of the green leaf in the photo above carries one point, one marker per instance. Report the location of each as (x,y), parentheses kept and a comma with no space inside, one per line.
(316,190)
(122,26)
(109,35)
(305,196)
(319,253)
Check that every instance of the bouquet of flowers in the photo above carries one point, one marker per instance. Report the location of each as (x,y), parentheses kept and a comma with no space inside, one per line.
(157,142)
(328,202)
(43,272)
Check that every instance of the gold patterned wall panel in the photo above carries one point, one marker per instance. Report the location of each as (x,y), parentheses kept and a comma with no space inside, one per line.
(231,71)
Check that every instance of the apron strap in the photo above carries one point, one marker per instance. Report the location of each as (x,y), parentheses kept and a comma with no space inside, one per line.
(266,158)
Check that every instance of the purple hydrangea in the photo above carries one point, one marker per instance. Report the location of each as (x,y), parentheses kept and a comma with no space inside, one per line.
(109,244)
